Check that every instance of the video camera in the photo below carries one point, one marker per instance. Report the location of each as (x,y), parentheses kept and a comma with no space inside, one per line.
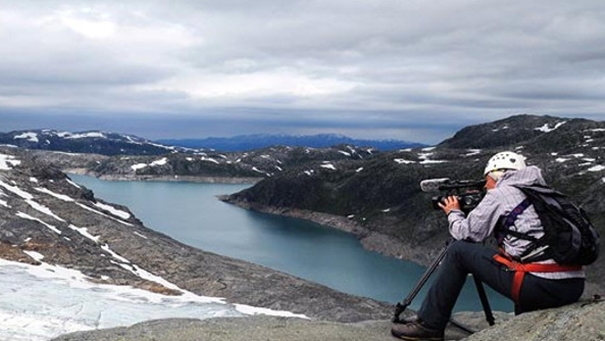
(468,192)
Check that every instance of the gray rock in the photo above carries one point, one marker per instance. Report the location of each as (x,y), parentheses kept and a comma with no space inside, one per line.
(257,328)
(580,321)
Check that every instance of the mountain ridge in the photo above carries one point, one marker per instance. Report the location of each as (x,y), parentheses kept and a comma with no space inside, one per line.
(258,141)
(111,144)
(91,141)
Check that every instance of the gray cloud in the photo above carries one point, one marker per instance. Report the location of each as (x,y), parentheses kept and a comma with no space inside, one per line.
(379,68)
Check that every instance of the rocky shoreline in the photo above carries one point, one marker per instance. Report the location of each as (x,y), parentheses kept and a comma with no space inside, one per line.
(374,241)
(370,240)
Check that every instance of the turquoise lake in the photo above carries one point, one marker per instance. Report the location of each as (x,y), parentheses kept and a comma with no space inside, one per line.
(191,213)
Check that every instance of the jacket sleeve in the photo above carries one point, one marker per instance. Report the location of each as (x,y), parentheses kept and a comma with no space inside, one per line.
(480,221)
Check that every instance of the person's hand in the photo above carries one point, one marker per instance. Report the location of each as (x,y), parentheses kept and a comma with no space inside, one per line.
(449,204)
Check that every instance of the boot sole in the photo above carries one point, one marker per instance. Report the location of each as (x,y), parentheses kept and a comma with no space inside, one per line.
(416,338)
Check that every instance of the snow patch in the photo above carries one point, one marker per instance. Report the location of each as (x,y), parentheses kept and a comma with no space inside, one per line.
(248,310)
(403,161)
(35,255)
(140,235)
(138,166)
(472,152)
(159,162)
(427,162)
(91,134)
(47,301)
(84,232)
(56,195)
(7,162)
(209,159)
(260,171)
(28,198)
(547,129)
(30,136)
(41,208)
(103,214)
(328,166)
(73,184)
(113,210)
(27,216)
(425,157)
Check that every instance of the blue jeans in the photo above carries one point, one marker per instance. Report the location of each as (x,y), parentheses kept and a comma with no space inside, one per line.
(463,258)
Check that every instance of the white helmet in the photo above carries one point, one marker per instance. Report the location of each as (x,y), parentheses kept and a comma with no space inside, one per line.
(504,161)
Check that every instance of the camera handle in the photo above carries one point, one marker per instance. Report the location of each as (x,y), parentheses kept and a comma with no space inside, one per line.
(402,306)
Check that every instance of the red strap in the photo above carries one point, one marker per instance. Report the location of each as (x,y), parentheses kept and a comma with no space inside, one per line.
(522,268)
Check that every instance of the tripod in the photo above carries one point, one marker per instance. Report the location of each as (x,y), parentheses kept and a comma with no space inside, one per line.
(401,307)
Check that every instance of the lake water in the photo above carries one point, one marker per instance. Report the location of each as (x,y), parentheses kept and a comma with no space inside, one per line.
(191,213)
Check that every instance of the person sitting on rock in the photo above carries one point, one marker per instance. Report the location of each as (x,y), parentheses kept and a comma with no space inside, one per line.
(466,255)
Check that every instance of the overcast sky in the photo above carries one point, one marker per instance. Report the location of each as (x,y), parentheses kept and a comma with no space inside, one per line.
(402,69)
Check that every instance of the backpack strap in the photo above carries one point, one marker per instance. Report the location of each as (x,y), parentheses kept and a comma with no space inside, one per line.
(535,249)
(505,228)
(512,216)
(521,269)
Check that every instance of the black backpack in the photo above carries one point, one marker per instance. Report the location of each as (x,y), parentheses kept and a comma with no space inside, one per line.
(569,236)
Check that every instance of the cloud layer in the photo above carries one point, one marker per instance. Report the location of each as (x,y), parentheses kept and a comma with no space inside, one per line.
(383,68)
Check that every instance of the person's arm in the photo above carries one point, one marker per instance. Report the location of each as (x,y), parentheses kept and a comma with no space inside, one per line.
(480,222)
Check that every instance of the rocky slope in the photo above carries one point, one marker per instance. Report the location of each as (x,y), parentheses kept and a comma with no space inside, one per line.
(206,166)
(46,217)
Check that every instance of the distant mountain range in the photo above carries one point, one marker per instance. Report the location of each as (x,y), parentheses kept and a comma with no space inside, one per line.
(257,141)
(105,143)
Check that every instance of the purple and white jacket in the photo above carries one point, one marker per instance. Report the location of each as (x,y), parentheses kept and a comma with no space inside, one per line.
(498,202)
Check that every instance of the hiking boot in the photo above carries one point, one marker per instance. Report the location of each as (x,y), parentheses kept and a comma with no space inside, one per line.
(415,331)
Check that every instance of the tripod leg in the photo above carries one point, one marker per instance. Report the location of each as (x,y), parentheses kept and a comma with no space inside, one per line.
(484,303)
(401,307)
(489,316)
